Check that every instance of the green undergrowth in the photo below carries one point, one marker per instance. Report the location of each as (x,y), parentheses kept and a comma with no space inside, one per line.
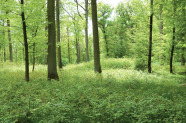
(120,94)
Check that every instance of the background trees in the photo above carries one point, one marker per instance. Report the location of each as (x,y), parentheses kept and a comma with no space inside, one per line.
(123,32)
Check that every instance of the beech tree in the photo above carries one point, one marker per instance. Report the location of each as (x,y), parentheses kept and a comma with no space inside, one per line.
(52,67)
(97,65)
(58,33)
(25,43)
(150,37)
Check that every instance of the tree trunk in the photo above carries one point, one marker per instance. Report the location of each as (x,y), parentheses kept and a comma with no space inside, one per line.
(173,39)
(86,30)
(77,50)
(34,57)
(97,65)
(34,50)
(52,67)
(58,34)
(9,38)
(182,57)
(4,54)
(172,51)
(45,50)
(150,38)
(69,60)
(25,44)
(106,42)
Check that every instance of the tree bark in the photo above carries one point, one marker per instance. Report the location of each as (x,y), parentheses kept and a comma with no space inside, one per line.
(25,44)
(69,60)
(58,34)
(182,57)
(97,65)
(4,54)
(9,38)
(106,42)
(34,57)
(86,30)
(173,39)
(172,51)
(52,67)
(150,38)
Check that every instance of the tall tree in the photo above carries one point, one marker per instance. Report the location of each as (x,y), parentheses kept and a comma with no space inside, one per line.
(173,37)
(150,38)
(97,65)
(86,29)
(9,38)
(25,43)
(52,67)
(105,12)
(58,33)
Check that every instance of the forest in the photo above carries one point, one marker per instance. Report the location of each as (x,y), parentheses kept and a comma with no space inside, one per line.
(92,61)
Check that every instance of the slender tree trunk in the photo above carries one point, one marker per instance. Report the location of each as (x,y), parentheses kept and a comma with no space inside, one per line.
(58,33)
(68,45)
(162,56)
(97,65)
(9,38)
(52,67)
(4,54)
(77,50)
(182,57)
(173,39)
(106,42)
(25,44)
(86,30)
(45,50)
(16,55)
(34,58)
(34,50)
(150,39)
(172,51)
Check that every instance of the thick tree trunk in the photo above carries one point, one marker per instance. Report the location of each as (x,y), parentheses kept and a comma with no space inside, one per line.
(97,65)
(172,51)
(52,67)
(58,34)
(25,44)
(86,30)
(150,39)
(9,38)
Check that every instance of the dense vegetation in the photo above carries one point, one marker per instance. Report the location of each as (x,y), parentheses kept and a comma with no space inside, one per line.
(120,94)
(127,66)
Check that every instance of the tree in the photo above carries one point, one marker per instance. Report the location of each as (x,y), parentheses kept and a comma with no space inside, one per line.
(150,38)
(52,68)
(25,43)
(105,12)
(58,33)
(97,65)
(86,29)
(173,37)
(9,38)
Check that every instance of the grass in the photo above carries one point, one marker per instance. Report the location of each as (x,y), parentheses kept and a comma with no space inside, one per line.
(119,94)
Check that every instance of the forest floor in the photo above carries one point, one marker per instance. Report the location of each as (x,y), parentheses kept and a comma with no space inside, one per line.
(120,94)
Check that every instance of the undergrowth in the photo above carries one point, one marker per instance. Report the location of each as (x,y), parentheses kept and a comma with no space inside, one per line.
(120,94)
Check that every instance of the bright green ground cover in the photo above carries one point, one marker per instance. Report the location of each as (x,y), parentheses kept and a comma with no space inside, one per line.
(120,94)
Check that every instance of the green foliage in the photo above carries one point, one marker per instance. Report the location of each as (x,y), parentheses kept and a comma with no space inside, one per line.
(118,95)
